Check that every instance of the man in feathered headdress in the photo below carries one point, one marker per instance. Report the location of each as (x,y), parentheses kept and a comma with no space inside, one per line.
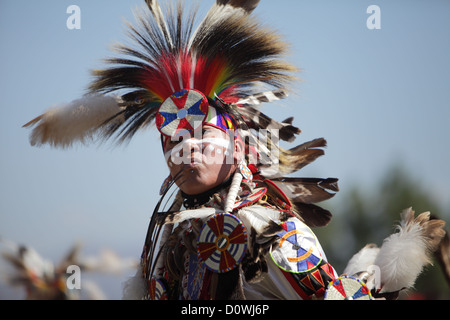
(238,228)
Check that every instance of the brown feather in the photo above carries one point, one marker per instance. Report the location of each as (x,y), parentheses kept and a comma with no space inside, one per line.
(247,5)
(257,120)
(296,158)
(442,255)
(308,190)
(432,229)
(312,215)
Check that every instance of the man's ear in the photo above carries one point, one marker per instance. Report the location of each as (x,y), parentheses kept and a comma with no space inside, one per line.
(239,150)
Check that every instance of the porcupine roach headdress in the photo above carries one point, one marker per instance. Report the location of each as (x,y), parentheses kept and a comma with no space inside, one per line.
(228,61)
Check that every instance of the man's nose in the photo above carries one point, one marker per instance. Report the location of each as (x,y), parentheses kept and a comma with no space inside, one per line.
(190,146)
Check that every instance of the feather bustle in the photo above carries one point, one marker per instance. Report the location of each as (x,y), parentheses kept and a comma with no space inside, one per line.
(361,261)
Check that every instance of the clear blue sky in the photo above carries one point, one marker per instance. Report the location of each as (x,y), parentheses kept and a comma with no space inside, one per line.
(377,96)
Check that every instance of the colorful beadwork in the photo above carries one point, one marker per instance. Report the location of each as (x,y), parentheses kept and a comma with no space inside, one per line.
(182,113)
(193,278)
(312,284)
(245,171)
(347,288)
(298,248)
(222,242)
(157,290)
(250,198)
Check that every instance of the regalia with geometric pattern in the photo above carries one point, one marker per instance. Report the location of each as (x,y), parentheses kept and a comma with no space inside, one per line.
(249,237)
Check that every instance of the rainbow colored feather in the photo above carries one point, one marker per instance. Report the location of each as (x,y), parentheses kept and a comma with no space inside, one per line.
(228,56)
(176,73)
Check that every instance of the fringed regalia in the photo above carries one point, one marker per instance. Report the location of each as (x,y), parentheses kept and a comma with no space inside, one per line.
(249,237)
(257,248)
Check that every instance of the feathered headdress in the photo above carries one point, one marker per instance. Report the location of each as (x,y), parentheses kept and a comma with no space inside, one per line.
(228,62)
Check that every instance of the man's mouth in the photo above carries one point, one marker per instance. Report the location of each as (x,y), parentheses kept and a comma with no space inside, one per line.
(194,160)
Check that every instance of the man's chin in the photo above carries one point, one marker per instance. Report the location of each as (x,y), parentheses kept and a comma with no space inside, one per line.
(192,189)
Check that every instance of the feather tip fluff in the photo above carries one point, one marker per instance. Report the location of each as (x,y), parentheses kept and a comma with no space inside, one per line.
(77,121)
(404,254)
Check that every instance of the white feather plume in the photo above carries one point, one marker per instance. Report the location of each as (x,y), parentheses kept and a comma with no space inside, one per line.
(404,254)
(362,260)
(135,288)
(76,121)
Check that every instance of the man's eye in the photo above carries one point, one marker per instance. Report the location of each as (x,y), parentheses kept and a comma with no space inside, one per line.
(172,143)
(207,131)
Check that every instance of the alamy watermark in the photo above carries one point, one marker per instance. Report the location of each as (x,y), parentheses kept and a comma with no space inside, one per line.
(73,22)
(73,281)
(261,147)
(374,20)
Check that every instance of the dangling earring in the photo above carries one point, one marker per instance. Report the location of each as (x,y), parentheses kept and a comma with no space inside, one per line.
(245,171)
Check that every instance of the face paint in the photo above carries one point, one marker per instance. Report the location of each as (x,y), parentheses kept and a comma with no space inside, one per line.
(181,153)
